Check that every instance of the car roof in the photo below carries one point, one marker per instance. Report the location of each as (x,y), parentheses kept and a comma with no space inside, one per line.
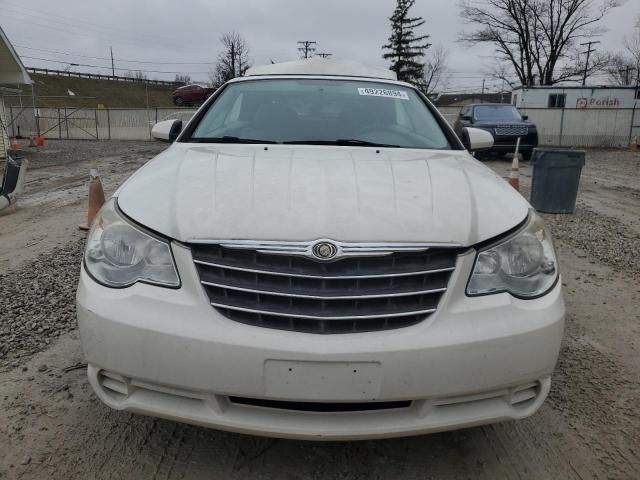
(322,67)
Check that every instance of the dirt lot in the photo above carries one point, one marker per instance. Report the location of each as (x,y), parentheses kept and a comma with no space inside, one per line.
(51,425)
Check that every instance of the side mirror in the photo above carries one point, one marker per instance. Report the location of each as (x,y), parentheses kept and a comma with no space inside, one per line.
(466,118)
(475,139)
(167,130)
(525,117)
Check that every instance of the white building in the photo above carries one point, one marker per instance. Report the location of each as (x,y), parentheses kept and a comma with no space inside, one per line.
(576,97)
(12,72)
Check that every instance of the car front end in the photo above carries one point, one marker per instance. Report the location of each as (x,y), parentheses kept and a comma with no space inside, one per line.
(298,289)
(506,137)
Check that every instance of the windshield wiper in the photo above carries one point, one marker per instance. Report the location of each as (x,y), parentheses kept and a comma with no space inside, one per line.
(347,142)
(227,139)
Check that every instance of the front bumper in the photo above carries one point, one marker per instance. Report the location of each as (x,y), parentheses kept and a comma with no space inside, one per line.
(507,144)
(167,353)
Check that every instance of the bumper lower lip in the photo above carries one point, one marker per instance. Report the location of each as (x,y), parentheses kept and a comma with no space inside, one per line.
(183,361)
(422,416)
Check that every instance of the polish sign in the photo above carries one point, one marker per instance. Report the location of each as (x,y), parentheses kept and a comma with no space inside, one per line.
(598,102)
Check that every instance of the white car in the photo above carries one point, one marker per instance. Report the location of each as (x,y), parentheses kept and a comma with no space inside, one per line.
(317,256)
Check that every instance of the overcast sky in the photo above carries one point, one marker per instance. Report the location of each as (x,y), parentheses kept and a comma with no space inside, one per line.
(188,31)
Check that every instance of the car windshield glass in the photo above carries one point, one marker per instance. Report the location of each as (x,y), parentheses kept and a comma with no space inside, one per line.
(321,112)
(496,113)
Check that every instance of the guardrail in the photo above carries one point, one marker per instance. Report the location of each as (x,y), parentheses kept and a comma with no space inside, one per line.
(98,76)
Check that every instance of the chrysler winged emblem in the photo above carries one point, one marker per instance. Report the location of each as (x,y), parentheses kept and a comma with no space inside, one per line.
(325,250)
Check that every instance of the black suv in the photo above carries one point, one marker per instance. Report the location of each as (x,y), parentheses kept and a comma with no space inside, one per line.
(504,122)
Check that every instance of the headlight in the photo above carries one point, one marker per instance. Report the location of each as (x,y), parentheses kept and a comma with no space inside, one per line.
(524,265)
(118,254)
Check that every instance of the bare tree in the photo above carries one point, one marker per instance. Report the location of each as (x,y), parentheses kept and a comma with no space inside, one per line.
(537,38)
(184,79)
(233,61)
(137,74)
(624,67)
(435,69)
(216,77)
(620,70)
(632,47)
(503,71)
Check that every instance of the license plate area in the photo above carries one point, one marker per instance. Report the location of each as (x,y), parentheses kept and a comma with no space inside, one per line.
(322,381)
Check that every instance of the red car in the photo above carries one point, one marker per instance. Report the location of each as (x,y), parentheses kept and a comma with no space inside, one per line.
(191,95)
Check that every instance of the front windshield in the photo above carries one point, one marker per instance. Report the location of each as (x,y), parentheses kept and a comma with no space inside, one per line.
(306,111)
(496,113)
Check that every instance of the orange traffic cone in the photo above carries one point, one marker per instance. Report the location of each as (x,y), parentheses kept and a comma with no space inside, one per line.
(32,139)
(15,146)
(514,175)
(96,199)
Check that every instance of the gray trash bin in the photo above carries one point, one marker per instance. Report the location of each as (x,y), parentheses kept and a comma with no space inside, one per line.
(556,176)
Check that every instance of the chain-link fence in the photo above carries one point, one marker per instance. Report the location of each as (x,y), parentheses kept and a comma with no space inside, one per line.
(582,128)
(4,133)
(89,123)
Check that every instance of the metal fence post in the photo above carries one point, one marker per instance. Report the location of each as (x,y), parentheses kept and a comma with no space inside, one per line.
(59,125)
(66,121)
(12,121)
(95,115)
(108,125)
(561,126)
(631,124)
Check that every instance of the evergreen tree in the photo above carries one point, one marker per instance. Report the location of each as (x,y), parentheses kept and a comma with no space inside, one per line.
(405,49)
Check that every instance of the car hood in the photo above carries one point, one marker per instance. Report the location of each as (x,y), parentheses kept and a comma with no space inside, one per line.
(296,193)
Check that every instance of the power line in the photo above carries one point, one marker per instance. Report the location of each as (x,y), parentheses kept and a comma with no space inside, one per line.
(57,52)
(75,21)
(306,47)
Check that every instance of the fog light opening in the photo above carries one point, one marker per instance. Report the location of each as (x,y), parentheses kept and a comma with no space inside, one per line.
(114,385)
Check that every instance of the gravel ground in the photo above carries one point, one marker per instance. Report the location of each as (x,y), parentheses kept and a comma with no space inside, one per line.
(51,424)
(60,153)
(605,227)
(39,303)
(599,238)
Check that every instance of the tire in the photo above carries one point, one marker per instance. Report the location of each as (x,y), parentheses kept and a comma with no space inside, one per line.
(526,155)
(178,101)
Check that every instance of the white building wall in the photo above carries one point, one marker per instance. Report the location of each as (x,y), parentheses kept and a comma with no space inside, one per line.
(583,98)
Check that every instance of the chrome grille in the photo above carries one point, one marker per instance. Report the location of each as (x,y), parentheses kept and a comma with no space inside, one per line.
(347,295)
(512,131)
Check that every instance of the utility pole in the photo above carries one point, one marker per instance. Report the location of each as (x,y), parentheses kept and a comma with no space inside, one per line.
(306,47)
(324,55)
(233,59)
(483,87)
(113,70)
(586,63)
